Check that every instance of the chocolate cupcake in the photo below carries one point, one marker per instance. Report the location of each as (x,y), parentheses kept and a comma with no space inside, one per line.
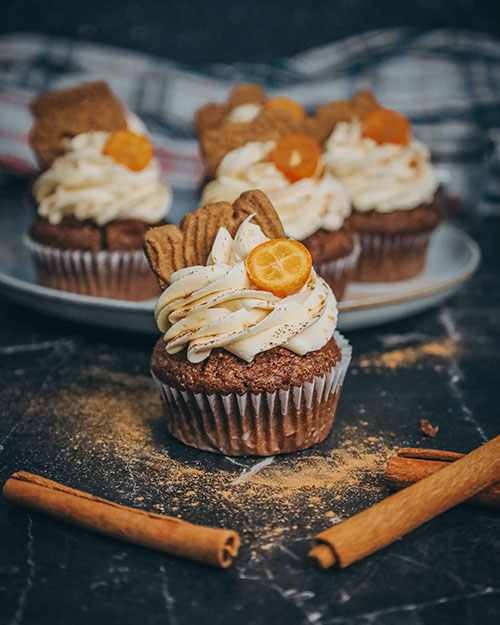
(312,204)
(99,194)
(393,189)
(248,363)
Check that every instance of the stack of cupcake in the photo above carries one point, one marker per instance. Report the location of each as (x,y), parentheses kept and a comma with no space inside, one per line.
(352,172)
(97,195)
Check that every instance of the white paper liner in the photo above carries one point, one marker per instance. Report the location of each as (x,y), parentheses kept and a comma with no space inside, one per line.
(339,272)
(389,257)
(260,424)
(115,274)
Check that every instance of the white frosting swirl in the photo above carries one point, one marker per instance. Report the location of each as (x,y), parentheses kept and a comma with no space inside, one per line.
(87,184)
(304,206)
(244,113)
(382,177)
(216,305)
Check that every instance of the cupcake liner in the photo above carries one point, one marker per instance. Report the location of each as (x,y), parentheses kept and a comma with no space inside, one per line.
(387,257)
(340,271)
(118,274)
(261,424)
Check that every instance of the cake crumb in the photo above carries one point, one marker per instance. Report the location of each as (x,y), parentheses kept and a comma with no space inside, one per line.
(427,429)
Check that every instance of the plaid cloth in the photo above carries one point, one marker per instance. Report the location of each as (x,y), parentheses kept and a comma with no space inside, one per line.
(446,81)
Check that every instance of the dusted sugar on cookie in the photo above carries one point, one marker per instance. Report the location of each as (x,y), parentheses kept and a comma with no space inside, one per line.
(312,203)
(392,186)
(100,193)
(248,363)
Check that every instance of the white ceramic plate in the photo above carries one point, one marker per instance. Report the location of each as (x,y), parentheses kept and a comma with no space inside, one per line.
(453,258)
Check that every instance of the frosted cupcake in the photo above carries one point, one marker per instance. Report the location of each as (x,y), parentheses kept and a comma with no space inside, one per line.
(392,186)
(100,192)
(311,203)
(248,363)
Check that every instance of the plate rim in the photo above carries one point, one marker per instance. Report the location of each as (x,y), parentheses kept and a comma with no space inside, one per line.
(444,285)
(10,282)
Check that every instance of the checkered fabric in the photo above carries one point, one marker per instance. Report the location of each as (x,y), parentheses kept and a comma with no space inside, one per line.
(446,81)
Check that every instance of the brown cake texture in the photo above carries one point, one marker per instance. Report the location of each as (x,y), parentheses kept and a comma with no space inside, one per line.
(74,234)
(394,245)
(335,255)
(63,114)
(223,372)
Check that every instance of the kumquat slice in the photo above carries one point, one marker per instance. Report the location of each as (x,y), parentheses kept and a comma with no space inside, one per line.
(129,149)
(296,156)
(286,104)
(386,126)
(281,266)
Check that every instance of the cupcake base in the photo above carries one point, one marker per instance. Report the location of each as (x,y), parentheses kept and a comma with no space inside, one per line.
(340,271)
(115,274)
(259,424)
(387,257)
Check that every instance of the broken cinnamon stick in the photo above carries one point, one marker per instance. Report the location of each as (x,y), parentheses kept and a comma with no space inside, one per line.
(380,525)
(170,535)
(412,465)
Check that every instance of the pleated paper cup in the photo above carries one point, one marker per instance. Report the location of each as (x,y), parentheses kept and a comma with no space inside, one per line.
(261,424)
(340,272)
(114,274)
(387,257)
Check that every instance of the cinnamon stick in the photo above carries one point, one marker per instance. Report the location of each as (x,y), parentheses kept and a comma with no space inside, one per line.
(171,535)
(412,465)
(380,525)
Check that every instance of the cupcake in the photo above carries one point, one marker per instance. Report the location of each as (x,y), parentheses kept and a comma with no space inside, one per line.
(249,362)
(393,189)
(312,204)
(100,191)
(247,115)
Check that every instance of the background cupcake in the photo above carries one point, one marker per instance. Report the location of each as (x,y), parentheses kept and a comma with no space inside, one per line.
(98,195)
(392,186)
(247,364)
(311,203)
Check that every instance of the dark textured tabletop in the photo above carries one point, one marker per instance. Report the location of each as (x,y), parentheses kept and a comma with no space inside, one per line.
(77,405)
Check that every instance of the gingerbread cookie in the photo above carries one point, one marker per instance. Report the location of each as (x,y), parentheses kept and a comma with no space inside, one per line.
(329,115)
(68,112)
(170,248)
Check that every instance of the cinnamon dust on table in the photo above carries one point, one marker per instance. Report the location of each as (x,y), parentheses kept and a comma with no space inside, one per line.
(110,430)
(408,356)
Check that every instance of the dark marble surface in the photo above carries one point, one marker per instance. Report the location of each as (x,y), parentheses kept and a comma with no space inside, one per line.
(77,405)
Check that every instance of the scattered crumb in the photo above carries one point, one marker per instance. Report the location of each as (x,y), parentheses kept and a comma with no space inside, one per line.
(427,429)
(408,356)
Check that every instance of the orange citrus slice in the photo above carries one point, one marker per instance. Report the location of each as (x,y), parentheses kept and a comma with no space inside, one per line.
(296,156)
(281,266)
(386,126)
(129,149)
(286,104)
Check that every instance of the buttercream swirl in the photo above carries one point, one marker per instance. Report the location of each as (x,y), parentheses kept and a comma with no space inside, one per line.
(216,305)
(382,177)
(244,113)
(304,206)
(88,184)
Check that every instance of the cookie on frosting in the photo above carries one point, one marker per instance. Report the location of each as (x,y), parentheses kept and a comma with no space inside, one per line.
(170,248)
(220,130)
(330,114)
(63,114)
